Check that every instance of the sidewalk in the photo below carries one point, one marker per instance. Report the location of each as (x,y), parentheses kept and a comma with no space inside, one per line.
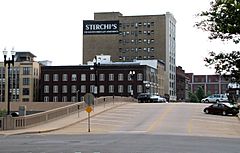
(64,122)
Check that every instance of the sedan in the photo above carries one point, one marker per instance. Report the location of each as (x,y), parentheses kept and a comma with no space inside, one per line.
(222,108)
(144,97)
(156,98)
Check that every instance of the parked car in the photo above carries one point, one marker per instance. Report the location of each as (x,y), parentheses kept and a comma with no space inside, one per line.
(222,108)
(215,98)
(156,98)
(144,97)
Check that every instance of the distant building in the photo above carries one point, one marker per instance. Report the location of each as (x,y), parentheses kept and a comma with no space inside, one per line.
(128,38)
(70,83)
(182,84)
(211,84)
(24,79)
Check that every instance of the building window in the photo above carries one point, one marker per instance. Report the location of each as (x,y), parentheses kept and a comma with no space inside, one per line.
(139,76)
(111,88)
(101,89)
(26,70)
(111,77)
(101,77)
(120,77)
(25,100)
(64,77)
(64,89)
(83,77)
(129,77)
(129,88)
(55,77)
(92,77)
(83,88)
(92,87)
(120,88)
(55,99)
(55,89)
(46,77)
(46,89)
(25,91)
(73,99)
(74,77)
(46,99)
(64,98)
(26,81)
(73,88)
(139,89)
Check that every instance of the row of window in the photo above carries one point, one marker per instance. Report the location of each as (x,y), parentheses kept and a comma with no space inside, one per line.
(136,41)
(136,24)
(83,77)
(136,33)
(137,49)
(25,71)
(83,88)
(130,58)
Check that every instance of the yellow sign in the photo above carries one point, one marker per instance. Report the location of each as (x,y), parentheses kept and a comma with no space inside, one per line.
(88,109)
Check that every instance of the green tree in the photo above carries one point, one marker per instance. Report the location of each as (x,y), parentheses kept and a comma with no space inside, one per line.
(3,113)
(193,97)
(222,20)
(200,93)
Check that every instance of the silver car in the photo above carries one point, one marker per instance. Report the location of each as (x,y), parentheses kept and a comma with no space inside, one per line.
(215,98)
(156,98)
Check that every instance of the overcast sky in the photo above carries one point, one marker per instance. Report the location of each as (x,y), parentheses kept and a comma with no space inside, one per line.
(52,29)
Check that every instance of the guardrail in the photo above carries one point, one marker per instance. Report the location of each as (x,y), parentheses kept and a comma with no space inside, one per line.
(10,123)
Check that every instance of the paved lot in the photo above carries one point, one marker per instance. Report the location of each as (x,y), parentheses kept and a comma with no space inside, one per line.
(152,118)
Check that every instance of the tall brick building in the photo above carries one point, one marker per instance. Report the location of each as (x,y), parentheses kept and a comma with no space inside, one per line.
(126,38)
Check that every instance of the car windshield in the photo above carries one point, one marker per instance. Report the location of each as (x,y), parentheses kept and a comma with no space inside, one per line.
(229,105)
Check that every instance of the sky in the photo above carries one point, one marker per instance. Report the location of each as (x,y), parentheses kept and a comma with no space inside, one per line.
(52,29)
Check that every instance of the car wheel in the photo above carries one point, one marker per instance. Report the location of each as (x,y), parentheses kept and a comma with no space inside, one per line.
(206,101)
(206,111)
(224,113)
(217,101)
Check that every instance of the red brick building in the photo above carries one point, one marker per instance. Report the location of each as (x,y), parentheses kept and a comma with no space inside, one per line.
(211,84)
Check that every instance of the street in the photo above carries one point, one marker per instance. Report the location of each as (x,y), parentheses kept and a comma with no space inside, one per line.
(138,128)
(159,118)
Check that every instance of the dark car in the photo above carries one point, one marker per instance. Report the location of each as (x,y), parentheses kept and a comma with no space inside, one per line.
(144,97)
(222,108)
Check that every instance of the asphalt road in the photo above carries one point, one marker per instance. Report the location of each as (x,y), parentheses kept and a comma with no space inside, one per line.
(152,118)
(117,143)
(138,128)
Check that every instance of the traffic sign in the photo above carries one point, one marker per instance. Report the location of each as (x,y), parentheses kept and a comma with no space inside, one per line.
(89,109)
(89,98)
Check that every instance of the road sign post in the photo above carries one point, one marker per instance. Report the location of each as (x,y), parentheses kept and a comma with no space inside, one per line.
(88,110)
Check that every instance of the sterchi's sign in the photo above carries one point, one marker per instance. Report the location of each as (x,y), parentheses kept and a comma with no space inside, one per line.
(91,27)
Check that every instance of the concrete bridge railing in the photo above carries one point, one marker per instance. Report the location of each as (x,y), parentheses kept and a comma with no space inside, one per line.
(13,123)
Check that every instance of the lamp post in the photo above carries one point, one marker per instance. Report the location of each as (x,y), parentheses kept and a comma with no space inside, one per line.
(132,73)
(95,66)
(8,62)
(77,95)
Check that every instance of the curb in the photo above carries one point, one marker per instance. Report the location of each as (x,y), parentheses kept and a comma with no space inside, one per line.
(65,126)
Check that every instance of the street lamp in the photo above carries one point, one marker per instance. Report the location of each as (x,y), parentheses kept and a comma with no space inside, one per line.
(96,65)
(132,73)
(8,62)
(77,95)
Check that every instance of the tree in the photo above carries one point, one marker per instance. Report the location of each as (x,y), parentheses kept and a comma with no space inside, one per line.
(3,113)
(193,97)
(222,20)
(200,93)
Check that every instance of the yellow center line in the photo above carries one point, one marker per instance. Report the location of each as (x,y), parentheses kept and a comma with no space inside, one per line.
(158,121)
(189,126)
